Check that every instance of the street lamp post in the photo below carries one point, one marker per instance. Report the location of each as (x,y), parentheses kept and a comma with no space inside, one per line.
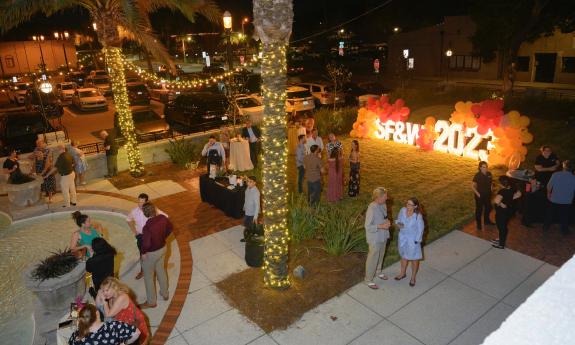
(228,28)
(246,42)
(40,39)
(64,37)
(448,53)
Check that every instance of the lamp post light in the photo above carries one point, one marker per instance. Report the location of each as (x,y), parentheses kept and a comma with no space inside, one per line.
(189,38)
(448,53)
(246,42)
(228,29)
(40,39)
(64,37)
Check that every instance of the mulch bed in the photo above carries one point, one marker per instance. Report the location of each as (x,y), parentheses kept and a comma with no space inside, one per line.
(155,172)
(326,277)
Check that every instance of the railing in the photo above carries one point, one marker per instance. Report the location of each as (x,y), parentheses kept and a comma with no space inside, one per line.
(98,147)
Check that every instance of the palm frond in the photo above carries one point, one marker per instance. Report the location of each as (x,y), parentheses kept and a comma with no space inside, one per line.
(190,8)
(154,47)
(15,12)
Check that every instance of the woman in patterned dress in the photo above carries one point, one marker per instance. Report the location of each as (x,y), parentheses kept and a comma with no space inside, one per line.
(353,186)
(43,166)
(92,331)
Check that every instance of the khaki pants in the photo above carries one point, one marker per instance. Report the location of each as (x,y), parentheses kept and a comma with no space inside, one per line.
(154,262)
(68,187)
(374,260)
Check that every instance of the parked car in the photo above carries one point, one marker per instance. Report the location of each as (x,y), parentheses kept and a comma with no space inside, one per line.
(138,93)
(356,95)
(98,73)
(214,69)
(159,92)
(197,111)
(18,92)
(323,93)
(65,91)
(147,122)
(295,68)
(77,77)
(102,83)
(250,106)
(19,130)
(89,98)
(374,88)
(45,103)
(299,99)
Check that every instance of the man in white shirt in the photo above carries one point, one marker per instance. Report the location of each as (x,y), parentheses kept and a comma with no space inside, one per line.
(314,139)
(136,220)
(216,156)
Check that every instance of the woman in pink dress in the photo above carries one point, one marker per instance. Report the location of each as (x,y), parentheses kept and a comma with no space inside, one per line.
(335,176)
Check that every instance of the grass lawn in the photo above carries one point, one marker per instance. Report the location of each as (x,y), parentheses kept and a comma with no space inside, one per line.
(440,181)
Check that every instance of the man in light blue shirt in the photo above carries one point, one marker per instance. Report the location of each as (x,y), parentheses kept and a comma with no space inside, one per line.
(560,192)
(299,155)
(251,204)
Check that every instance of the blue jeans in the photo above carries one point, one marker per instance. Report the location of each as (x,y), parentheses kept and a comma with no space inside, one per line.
(314,192)
(300,175)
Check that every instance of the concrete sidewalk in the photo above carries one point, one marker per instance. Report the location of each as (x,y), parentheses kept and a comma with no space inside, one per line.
(465,290)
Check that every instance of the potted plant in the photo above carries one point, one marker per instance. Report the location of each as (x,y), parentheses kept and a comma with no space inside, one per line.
(255,244)
(57,280)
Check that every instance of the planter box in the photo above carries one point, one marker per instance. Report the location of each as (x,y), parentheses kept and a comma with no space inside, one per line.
(55,295)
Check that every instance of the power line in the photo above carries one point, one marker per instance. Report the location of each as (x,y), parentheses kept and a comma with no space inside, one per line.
(344,23)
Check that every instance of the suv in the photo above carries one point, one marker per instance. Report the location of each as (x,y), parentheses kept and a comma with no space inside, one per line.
(102,83)
(48,103)
(17,93)
(138,93)
(299,99)
(65,90)
(147,123)
(197,111)
(20,130)
(76,77)
(98,73)
(323,94)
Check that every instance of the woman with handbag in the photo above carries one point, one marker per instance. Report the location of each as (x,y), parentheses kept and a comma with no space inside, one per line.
(115,302)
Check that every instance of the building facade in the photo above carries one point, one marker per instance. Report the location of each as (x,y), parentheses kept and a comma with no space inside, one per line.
(20,57)
(422,53)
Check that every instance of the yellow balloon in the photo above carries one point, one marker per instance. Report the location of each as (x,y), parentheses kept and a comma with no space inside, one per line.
(524,121)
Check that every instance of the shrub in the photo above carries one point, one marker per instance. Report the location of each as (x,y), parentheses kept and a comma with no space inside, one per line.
(55,265)
(342,229)
(337,122)
(183,152)
(302,219)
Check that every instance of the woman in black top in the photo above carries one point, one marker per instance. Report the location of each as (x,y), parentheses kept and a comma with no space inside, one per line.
(482,186)
(12,167)
(101,264)
(92,331)
(504,208)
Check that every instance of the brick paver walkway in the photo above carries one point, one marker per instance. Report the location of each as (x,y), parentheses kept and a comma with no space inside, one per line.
(549,246)
(192,219)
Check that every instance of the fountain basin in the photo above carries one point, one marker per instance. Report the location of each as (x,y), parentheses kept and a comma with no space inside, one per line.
(25,194)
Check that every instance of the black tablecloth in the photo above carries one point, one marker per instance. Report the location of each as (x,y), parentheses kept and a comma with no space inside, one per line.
(229,201)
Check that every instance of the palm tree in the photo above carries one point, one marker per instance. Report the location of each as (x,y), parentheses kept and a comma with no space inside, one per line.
(115,20)
(273,24)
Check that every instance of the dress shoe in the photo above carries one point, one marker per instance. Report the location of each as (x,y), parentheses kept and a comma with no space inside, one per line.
(498,246)
(167,297)
(495,241)
(412,283)
(73,204)
(139,275)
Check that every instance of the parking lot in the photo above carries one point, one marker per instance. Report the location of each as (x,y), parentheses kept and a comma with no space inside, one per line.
(83,126)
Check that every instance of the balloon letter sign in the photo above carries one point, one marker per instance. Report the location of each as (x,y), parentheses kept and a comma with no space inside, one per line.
(479,131)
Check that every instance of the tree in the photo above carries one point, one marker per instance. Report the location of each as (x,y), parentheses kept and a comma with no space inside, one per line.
(503,25)
(339,75)
(273,24)
(115,20)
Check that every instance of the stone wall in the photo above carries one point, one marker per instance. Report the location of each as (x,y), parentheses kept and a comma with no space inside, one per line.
(152,152)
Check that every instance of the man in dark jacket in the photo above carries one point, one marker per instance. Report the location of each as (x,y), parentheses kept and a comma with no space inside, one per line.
(253,135)
(111,153)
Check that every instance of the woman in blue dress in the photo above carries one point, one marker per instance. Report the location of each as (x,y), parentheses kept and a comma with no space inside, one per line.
(80,164)
(411,226)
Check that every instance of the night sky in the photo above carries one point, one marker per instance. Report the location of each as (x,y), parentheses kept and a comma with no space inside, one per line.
(310,16)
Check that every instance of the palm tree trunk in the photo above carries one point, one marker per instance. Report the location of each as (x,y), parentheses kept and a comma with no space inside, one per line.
(273,22)
(118,78)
